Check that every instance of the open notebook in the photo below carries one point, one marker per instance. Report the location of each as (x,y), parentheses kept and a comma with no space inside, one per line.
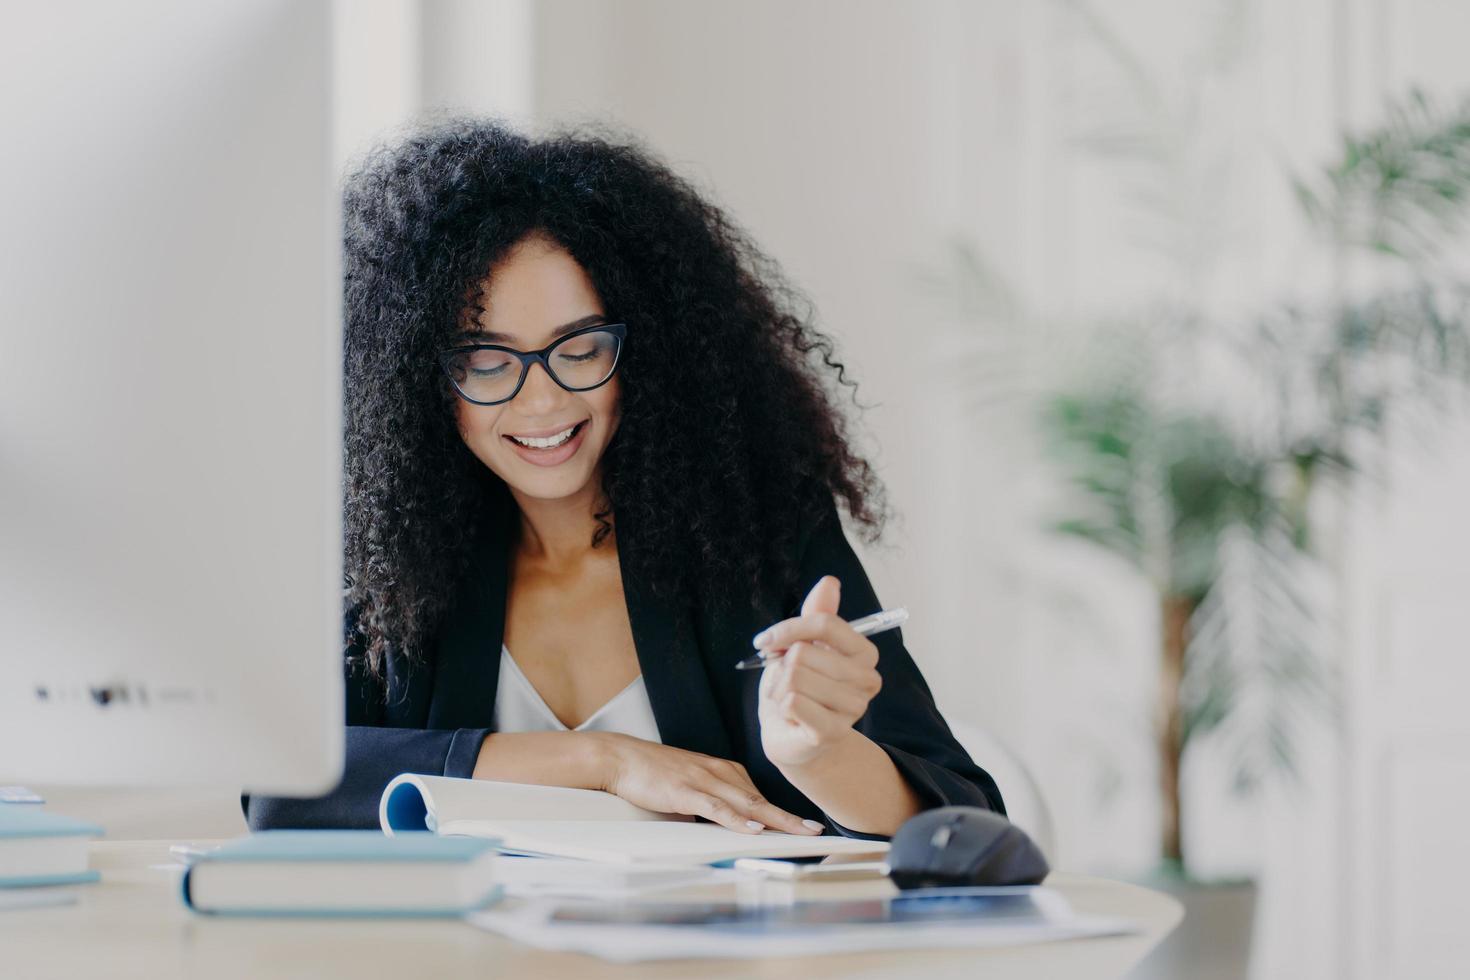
(579,823)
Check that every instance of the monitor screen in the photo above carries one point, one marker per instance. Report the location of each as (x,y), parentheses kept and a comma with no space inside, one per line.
(170,417)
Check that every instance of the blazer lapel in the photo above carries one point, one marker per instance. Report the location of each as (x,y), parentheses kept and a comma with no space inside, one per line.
(468,662)
(673,670)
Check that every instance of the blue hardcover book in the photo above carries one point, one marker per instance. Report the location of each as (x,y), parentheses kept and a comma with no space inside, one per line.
(38,847)
(343,873)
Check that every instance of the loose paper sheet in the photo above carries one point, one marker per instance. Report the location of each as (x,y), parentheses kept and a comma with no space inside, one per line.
(532,923)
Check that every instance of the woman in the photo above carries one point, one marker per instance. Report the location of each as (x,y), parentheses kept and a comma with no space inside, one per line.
(591,451)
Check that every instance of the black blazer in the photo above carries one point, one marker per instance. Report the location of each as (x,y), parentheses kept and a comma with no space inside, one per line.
(434,715)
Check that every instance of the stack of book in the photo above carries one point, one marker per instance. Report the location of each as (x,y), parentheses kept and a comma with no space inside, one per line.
(318,873)
(40,848)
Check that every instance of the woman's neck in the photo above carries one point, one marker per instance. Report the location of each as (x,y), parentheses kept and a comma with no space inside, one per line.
(558,533)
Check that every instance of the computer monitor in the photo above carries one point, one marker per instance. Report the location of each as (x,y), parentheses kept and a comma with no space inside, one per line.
(170,396)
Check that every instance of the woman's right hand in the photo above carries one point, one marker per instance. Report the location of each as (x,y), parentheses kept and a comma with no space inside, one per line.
(670,780)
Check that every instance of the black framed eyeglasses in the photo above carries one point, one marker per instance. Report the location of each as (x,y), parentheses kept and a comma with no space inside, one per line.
(488,374)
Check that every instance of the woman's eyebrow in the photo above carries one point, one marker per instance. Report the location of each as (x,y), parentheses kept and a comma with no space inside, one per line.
(492,337)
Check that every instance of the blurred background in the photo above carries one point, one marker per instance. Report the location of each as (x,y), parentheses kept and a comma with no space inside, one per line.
(1158,309)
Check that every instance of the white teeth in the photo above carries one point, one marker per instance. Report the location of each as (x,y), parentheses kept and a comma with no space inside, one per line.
(546,443)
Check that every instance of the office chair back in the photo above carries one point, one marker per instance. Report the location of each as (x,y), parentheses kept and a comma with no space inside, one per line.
(1025,804)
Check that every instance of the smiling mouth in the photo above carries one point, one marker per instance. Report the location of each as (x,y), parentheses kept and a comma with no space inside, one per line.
(549,442)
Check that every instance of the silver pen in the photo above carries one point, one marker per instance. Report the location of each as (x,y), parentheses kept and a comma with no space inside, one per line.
(878,622)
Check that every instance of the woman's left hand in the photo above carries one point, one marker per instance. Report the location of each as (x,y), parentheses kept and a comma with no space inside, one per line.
(812,695)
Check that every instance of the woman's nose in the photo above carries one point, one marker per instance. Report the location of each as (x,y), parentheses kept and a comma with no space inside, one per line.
(539,395)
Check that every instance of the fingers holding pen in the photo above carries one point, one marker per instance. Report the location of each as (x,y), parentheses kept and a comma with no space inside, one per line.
(827,629)
(825,677)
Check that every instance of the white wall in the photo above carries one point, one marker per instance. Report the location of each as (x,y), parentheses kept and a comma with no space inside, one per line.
(377,71)
(1405,764)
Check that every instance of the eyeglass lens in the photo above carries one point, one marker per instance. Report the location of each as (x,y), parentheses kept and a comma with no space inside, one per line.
(489,375)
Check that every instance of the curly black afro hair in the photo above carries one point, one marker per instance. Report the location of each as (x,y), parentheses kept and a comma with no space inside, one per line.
(728,392)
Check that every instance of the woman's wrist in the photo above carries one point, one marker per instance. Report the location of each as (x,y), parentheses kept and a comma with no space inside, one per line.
(856,784)
(581,760)
(835,756)
(600,757)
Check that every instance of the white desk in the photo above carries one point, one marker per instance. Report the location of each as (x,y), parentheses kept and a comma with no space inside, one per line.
(132,924)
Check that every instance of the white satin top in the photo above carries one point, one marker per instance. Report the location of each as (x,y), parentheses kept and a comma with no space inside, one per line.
(520,708)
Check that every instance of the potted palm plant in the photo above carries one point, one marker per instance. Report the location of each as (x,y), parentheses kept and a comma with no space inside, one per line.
(1219,514)
(1222,511)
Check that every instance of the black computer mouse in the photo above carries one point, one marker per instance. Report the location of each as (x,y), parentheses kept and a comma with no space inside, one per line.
(963,845)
